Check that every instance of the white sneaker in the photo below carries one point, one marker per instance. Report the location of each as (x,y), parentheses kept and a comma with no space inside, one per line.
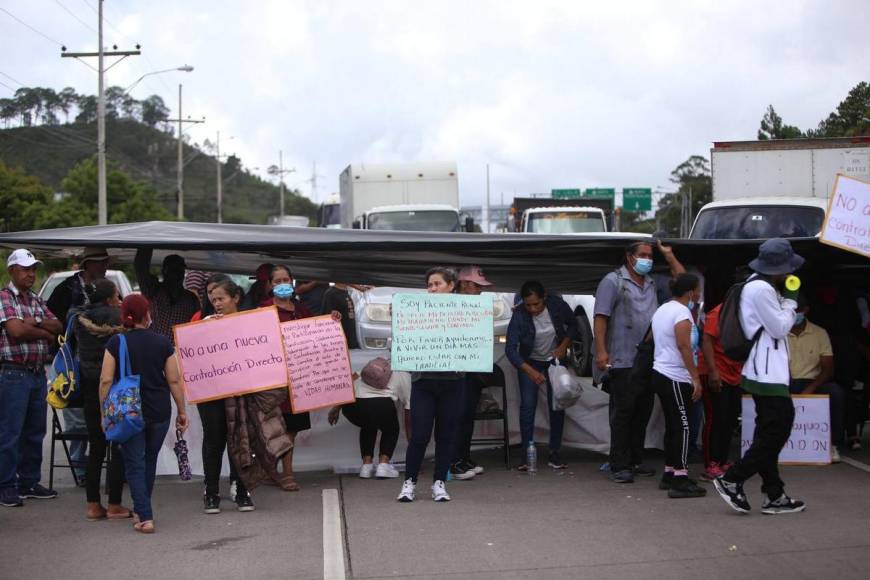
(835,454)
(439,491)
(386,471)
(367,470)
(409,489)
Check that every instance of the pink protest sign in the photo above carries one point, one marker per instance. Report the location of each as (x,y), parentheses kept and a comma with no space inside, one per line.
(232,355)
(318,363)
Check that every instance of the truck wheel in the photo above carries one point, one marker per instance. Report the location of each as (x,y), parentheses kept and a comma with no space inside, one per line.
(581,347)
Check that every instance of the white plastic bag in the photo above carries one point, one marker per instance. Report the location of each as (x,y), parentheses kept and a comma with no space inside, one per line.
(566,387)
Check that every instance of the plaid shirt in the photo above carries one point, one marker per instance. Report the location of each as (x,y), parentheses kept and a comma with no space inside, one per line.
(33,352)
(166,313)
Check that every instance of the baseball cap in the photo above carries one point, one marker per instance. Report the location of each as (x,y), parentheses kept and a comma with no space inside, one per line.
(473,274)
(21,257)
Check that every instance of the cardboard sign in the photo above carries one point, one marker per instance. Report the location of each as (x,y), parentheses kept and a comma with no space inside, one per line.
(318,363)
(810,441)
(231,355)
(847,222)
(442,332)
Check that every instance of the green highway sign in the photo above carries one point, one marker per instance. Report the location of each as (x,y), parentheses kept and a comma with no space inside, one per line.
(608,192)
(565,193)
(637,199)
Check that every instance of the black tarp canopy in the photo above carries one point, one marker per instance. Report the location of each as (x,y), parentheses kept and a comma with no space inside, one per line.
(563,263)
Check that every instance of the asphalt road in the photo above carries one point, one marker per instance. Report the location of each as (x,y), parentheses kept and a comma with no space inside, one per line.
(503,524)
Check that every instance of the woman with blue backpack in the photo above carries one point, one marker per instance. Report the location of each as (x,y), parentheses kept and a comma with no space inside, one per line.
(150,356)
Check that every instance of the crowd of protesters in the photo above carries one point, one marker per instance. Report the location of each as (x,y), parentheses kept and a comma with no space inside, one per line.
(653,337)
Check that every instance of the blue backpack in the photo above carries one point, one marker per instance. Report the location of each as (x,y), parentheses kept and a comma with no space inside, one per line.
(122,409)
(63,390)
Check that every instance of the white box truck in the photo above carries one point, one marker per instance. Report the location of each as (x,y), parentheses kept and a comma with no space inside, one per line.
(401,196)
(778,188)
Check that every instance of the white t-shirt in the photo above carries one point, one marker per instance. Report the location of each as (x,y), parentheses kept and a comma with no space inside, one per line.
(398,389)
(545,336)
(668,360)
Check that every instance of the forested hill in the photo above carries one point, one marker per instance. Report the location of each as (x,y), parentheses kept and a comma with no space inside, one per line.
(147,155)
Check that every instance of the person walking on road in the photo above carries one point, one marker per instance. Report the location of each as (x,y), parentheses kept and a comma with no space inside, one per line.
(28,331)
(767,314)
(676,380)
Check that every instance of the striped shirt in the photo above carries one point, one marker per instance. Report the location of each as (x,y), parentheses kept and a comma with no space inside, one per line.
(14,305)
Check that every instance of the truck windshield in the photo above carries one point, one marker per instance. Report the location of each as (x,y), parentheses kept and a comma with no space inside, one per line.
(330,216)
(564,223)
(758,222)
(414,221)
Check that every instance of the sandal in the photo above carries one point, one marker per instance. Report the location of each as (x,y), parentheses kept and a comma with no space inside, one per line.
(95,514)
(523,467)
(146,527)
(122,514)
(288,483)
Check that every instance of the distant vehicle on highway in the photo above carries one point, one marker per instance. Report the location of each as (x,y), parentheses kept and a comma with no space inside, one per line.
(53,281)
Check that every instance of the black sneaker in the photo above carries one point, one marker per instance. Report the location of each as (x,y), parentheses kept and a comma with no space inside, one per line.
(782,505)
(667,480)
(684,487)
(643,471)
(461,471)
(471,464)
(733,494)
(555,461)
(37,491)
(622,476)
(244,503)
(211,504)
(9,498)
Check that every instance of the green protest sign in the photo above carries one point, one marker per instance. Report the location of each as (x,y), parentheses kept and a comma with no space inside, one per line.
(442,332)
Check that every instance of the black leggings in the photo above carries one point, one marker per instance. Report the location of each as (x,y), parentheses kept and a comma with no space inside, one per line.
(373,415)
(676,399)
(98,447)
(438,403)
(721,411)
(213,415)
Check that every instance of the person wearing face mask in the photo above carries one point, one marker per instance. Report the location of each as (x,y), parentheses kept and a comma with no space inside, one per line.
(625,302)
(676,380)
(767,314)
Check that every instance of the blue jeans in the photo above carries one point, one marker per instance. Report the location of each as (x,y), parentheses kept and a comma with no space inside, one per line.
(140,465)
(529,404)
(23,413)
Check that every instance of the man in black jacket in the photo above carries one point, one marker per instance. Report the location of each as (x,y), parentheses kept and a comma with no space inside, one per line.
(73,292)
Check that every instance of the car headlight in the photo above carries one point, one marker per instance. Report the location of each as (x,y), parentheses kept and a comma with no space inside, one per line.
(378,312)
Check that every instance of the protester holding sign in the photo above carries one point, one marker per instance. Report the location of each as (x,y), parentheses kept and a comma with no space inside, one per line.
(436,400)
(676,380)
(539,333)
(152,357)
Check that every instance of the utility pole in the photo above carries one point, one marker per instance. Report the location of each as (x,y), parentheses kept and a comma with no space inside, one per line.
(486,207)
(280,172)
(220,193)
(180,178)
(102,204)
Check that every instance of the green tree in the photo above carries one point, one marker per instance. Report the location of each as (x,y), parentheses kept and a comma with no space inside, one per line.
(87,105)
(852,117)
(154,111)
(67,99)
(693,180)
(772,127)
(23,198)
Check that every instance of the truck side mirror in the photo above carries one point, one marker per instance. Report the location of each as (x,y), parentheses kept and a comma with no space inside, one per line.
(469,224)
(356,225)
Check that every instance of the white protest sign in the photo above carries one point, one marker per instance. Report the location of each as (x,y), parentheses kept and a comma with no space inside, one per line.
(810,441)
(847,223)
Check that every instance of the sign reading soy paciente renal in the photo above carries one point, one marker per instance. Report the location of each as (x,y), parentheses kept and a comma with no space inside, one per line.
(318,363)
(231,355)
(442,333)
(847,223)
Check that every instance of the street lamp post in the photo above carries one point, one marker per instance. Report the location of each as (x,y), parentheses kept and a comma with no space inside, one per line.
(185,68)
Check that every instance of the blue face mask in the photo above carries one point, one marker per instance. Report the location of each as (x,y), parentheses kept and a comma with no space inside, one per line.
(800,318)
(691,305)
(643,266)
(283,291)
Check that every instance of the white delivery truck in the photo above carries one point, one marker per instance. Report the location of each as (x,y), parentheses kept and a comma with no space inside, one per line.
(777,188)
(401,196)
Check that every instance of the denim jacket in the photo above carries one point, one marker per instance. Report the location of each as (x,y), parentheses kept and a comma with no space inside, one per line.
(521,330)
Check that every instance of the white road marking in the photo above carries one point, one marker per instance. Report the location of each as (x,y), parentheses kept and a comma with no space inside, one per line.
(856,464)
(333,540)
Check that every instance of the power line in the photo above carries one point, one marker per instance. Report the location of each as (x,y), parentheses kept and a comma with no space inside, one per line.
(7,86)
(42,34)
(11,78)
(74,15)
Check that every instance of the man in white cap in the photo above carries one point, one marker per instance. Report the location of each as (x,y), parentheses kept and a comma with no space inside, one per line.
(73,292)
(473,282)
(767,314)
(28,331)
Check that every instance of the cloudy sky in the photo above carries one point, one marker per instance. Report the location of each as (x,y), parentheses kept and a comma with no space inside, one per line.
(550,93)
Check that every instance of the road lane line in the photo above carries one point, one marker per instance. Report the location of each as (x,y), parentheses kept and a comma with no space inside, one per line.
(856,464)
(333,542)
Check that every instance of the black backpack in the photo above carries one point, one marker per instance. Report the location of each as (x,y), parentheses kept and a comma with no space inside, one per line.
(734,342)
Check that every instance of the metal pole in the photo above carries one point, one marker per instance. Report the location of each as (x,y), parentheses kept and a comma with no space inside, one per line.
(180,184)
(220,200)
(485,224)
(102,210)
(281,177)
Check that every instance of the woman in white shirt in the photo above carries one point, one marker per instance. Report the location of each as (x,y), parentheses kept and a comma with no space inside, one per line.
(676,380)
